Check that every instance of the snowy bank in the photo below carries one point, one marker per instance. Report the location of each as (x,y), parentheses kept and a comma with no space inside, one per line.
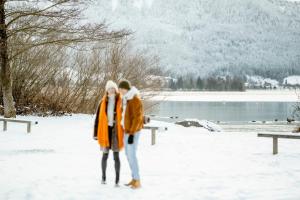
(59,160)
(212,127)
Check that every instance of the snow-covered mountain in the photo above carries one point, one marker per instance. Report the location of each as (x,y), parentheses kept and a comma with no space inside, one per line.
(202,35)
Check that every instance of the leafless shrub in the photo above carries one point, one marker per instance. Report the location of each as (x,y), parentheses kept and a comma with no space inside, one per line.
(296,112)
(54,80)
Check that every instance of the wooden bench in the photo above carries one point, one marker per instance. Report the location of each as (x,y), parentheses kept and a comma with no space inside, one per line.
(275,139)
(5,120)
(153,133)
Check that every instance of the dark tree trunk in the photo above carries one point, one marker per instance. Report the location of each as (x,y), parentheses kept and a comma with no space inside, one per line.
(6,81)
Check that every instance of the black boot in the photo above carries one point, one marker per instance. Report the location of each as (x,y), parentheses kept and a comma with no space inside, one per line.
(104,166)
(117,167)
(117,179)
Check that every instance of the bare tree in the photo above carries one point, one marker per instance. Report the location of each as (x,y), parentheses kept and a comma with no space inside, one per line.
(29,24)
(296,112)
(6,84)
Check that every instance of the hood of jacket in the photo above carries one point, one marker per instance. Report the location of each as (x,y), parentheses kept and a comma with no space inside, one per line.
(132,93)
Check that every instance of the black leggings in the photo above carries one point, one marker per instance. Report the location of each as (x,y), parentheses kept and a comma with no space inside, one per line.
(117,166)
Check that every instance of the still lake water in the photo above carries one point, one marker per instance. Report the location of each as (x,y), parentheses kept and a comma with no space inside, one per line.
(225,111)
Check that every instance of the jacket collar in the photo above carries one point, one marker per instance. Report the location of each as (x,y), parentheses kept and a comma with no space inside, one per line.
(105,97)
(131,93)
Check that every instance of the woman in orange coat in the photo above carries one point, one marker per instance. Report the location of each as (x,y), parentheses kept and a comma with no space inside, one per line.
(108,130)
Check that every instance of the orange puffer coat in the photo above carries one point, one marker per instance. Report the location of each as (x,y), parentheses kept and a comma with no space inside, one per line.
(101,123)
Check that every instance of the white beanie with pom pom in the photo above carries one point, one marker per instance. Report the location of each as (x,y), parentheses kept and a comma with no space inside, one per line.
(111,84)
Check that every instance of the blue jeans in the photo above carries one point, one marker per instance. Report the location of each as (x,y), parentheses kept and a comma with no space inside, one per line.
(130,150)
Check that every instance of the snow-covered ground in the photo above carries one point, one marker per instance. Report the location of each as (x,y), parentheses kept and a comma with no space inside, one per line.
(248,96)
(59,160)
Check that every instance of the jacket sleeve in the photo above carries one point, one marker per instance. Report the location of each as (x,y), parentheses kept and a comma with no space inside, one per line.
(96,121)
(137,116)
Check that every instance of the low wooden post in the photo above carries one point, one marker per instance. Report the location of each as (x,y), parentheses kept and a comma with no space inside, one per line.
(28,127)
(153,139)
(4,125)
(275,145)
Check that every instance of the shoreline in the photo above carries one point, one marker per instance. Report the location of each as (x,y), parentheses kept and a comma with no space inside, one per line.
(247,96)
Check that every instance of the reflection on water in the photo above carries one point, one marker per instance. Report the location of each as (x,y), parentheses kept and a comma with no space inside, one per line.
(229,111)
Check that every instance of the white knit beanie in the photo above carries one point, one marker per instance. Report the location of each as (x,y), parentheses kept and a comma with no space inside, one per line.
(111,84)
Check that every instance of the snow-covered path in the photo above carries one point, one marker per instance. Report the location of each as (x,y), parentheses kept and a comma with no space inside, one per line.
(59,160)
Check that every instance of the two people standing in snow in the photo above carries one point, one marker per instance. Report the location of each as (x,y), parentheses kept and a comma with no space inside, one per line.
(119,120)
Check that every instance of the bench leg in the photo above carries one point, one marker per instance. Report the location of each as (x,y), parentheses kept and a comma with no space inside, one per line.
(275,145)
(153,137)
(4,125)
(28,127)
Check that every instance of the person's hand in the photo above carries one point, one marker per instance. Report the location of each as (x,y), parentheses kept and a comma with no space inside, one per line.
(130,139)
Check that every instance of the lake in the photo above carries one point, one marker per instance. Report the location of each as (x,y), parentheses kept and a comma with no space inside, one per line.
(225,111)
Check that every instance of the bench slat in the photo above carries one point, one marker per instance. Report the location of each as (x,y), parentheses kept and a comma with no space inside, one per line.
(15,120)
(278,136)
(151,128)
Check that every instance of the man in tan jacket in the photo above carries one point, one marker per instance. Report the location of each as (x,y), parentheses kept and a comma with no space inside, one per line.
(132,123)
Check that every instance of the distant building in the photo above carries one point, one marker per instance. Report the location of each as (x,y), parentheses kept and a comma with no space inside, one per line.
(291,82)
(258,82)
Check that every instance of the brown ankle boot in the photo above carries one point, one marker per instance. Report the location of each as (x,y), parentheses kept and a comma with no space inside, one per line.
(136,184)
(130,183)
